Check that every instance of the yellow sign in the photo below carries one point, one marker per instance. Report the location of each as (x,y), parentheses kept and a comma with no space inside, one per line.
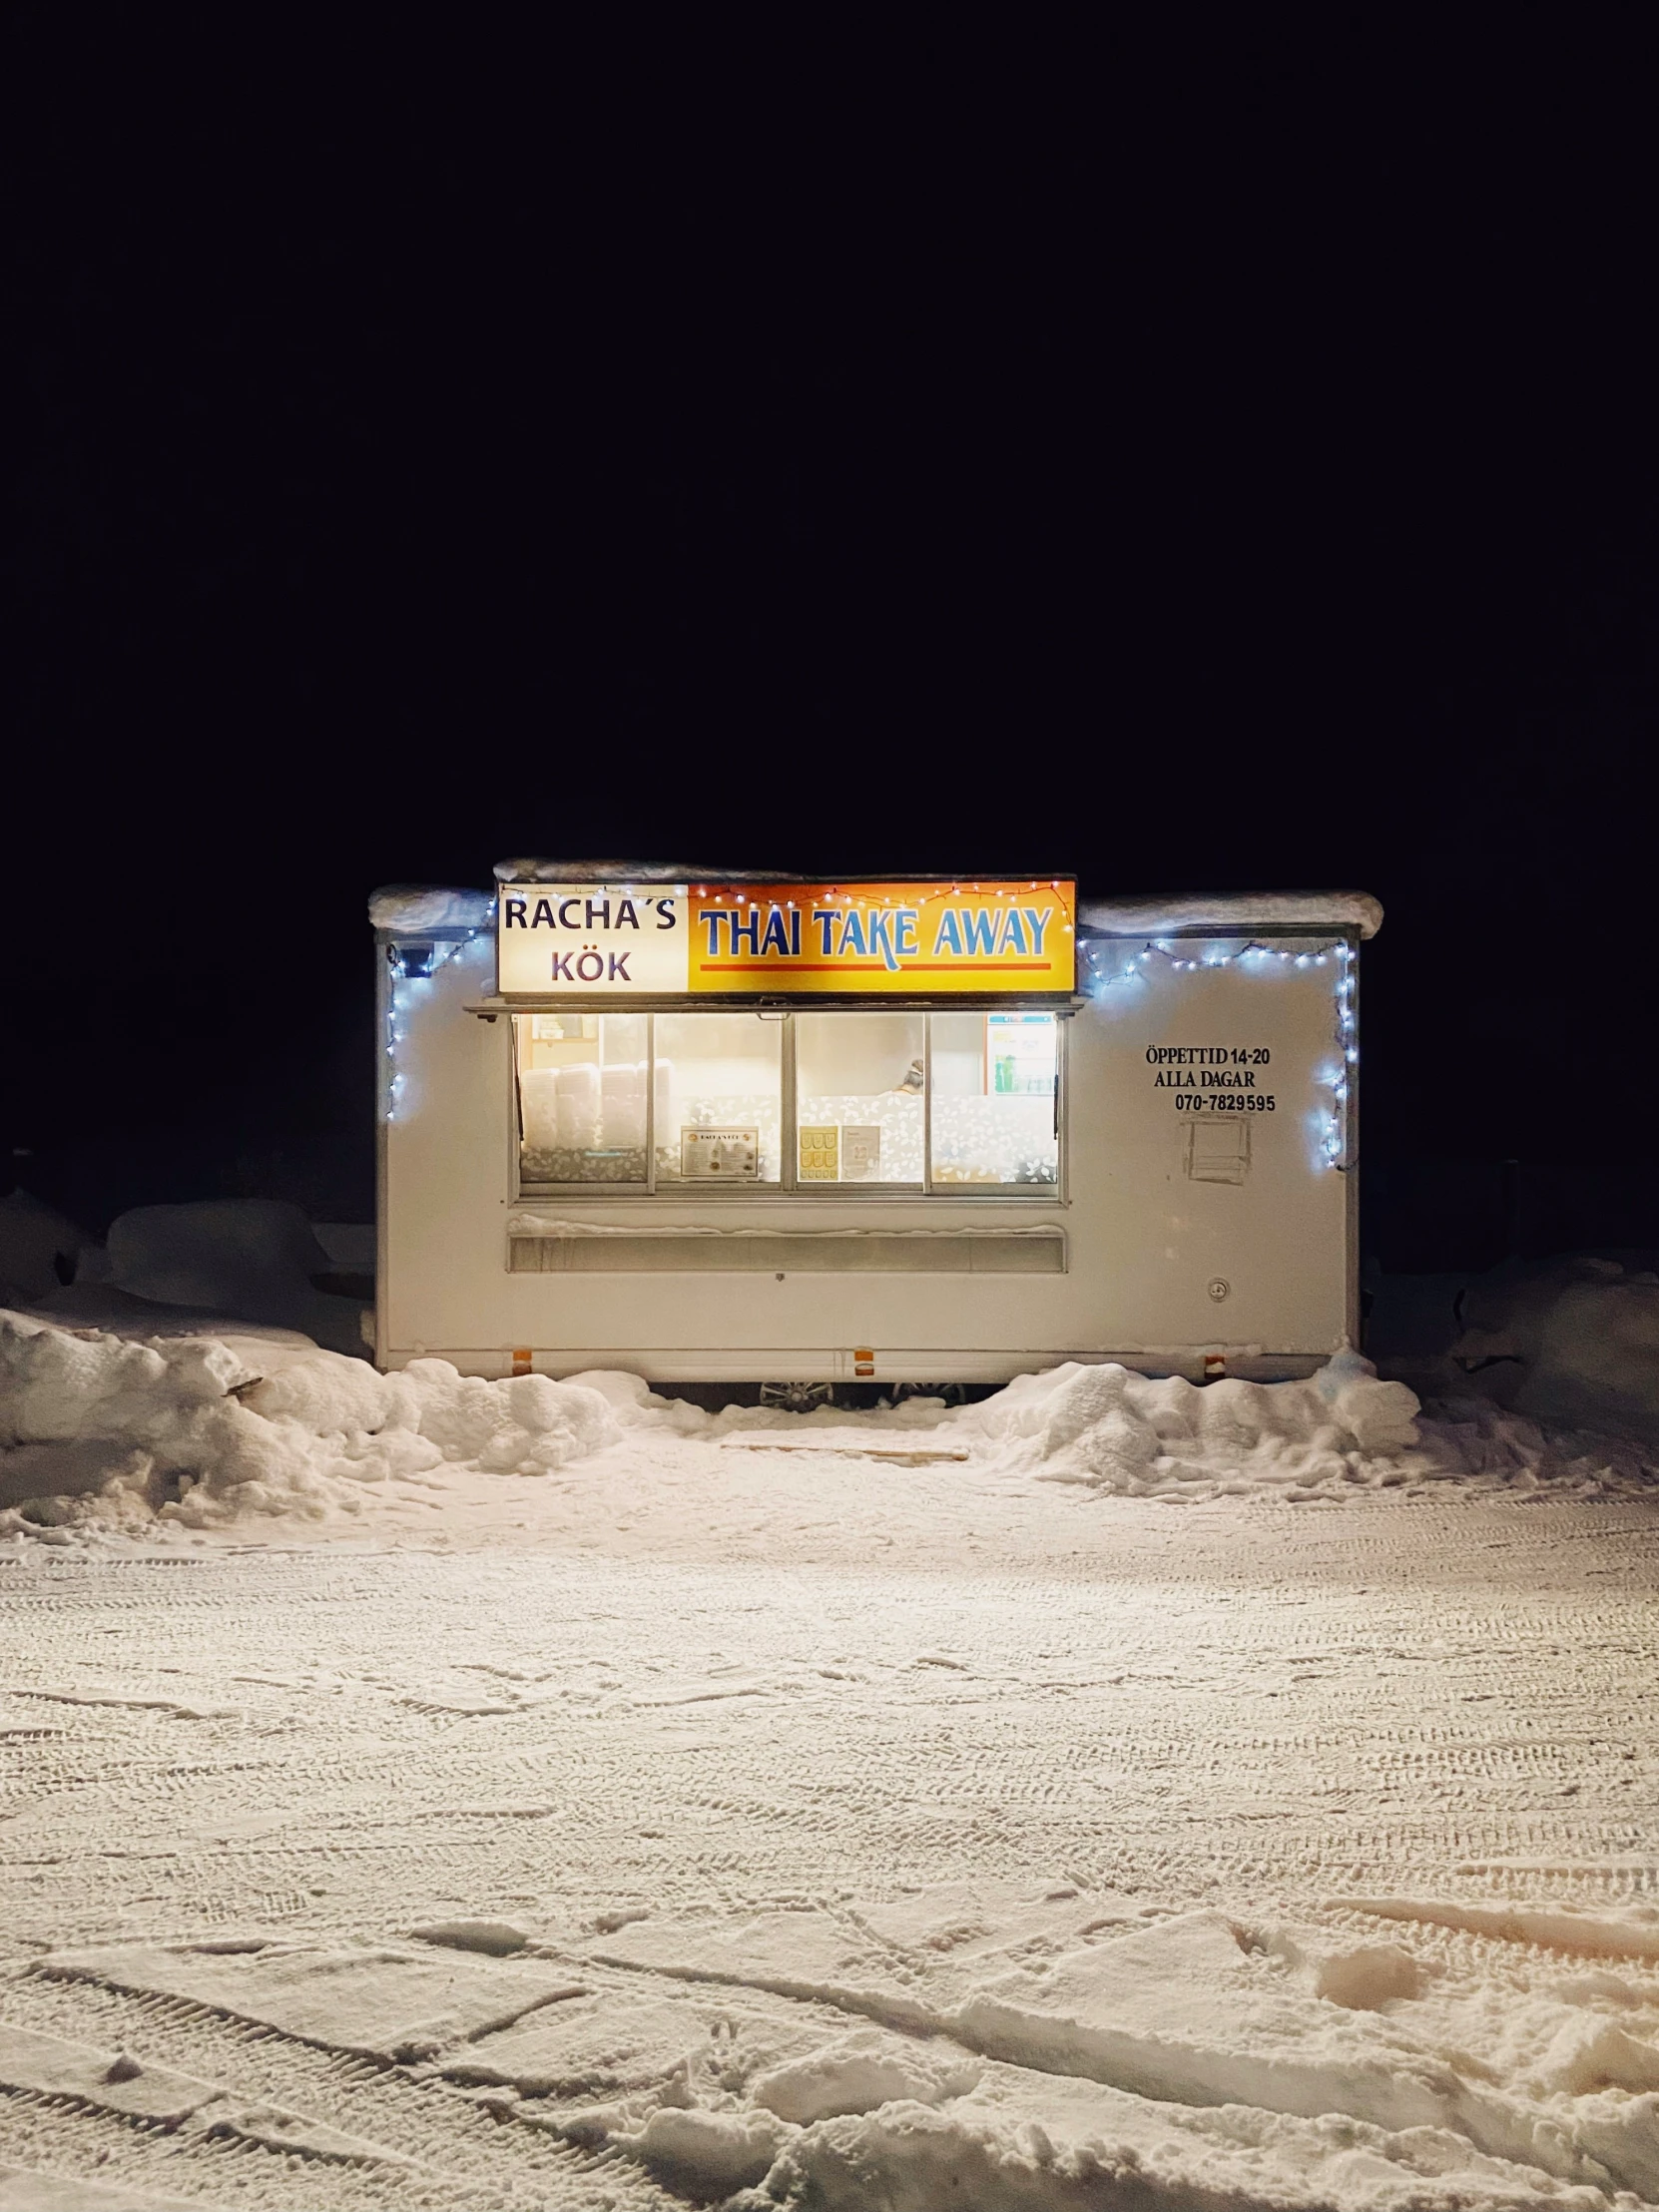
(909,938)
(821,1154)
(618,941)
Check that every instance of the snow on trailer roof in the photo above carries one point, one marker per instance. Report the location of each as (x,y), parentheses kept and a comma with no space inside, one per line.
(430,908)
(1230,913)
(427,909)
(638,872)
(1146,916)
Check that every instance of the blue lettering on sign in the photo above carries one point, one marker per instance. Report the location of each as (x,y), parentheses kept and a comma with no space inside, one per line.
(711,922)
(775,939)
(561,969)
(825,916)
(880,939)
(983,933)
(853,934)
(619,968)
(742,931)
(904,923)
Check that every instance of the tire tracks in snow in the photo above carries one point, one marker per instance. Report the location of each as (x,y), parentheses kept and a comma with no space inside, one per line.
(1253,1711)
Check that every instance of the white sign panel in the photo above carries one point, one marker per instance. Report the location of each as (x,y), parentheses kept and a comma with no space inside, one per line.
(607,937)
(729,1154)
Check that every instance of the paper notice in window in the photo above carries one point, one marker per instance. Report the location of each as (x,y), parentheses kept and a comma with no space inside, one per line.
(719,1155)
(860,1153)
(821,1154)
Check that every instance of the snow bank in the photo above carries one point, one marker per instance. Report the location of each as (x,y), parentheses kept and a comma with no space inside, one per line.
(1343,1431)
(1170,2060)
(255,1257)
(220,1252)
(1192,2011)
(102,1431)
(1183,2065)
(1116,1430)
(39,1246)
(1572,1341)
(1583,1335)
(1095,2148)
(1197,2062)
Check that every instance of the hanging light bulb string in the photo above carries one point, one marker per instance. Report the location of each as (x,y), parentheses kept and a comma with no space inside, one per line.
(1330,1132)
(1165,947)
(405,993)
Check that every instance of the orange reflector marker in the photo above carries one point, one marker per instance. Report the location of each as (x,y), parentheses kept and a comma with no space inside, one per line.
(1215,1365)
(863,1361)
(521,1358)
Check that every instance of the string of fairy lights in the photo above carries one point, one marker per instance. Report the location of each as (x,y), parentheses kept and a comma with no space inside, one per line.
(909,898)
(405,994)
(1331,1134)
(1176,956)
(908,895)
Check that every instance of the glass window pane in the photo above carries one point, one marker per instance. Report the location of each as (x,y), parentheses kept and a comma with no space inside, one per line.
(994,1085)
(581,1094)
(719,1099)
(857,1097)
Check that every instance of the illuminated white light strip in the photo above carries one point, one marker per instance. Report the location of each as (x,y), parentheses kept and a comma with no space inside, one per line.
(1332,1139)
(444,950)
(1331,1130)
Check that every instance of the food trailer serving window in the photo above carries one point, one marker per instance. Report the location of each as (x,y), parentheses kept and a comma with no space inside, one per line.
(940,1070)
(908,1102)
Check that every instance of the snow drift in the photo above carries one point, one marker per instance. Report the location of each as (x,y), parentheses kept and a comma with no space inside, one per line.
(197,1429)
(1341,1432)
(99,1430)
(1134,2056)
(1116,1430)
(1571,1340)
(258,1258)
(39,1246)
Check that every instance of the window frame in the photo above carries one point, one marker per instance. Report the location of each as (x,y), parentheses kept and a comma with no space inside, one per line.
(788,1184)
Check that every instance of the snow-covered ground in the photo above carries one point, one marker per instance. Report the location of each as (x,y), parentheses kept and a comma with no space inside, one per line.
(428,1792)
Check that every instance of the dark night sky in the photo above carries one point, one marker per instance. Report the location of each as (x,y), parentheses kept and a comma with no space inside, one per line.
(1242,478)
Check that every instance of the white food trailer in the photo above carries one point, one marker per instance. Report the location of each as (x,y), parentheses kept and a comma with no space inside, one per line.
(726,1127)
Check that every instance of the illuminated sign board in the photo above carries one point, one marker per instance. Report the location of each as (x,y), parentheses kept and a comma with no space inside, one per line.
(665,939)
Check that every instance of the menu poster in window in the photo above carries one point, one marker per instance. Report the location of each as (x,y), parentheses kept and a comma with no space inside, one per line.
(719,1155)
(860,1153)
(820,1153)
